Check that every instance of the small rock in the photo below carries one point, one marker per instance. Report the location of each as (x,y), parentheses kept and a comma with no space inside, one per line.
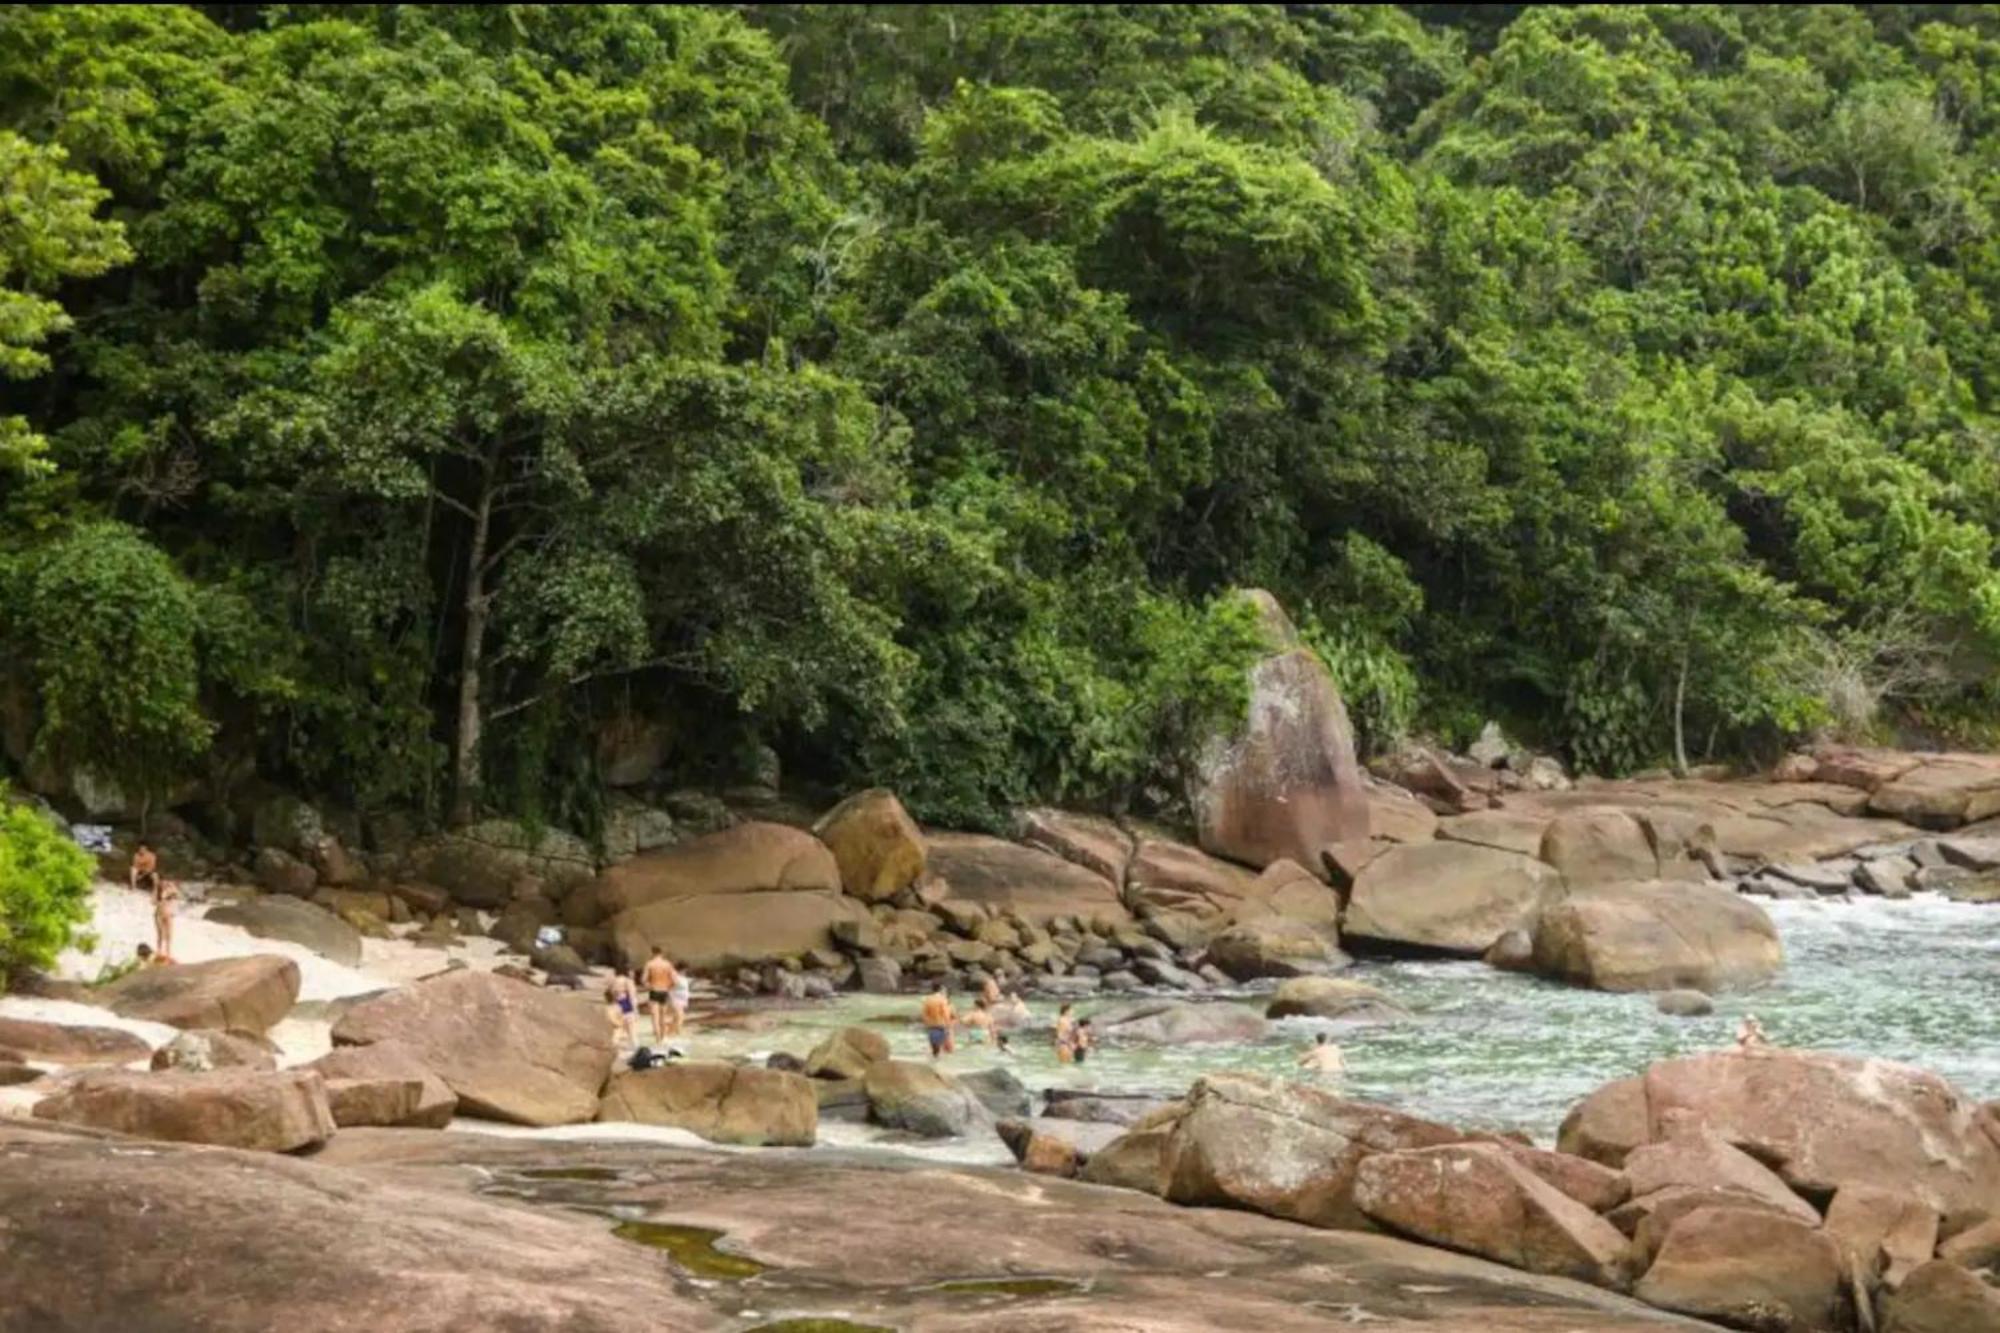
(999,1091)
(200,1051)
(1684,1003)
(903,1094)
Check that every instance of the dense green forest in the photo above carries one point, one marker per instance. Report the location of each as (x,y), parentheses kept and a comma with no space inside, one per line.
(400,398)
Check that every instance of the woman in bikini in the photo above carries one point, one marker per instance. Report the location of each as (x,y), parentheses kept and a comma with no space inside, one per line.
(165,894)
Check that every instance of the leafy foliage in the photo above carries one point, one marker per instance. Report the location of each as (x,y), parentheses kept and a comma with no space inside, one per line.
(44,889)
(904,387)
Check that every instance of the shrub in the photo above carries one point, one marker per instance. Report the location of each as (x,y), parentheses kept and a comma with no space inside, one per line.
(44,889)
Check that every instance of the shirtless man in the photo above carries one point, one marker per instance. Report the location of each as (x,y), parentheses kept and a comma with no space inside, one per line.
(659,978)
(938,1020)
(1750,1033)
(1323,1057)
(145,871)
(1065,1035)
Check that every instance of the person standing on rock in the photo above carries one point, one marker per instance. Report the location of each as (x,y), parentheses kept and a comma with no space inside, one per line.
(1323,1057)
(938,1020)
(659,977)
(619,1005)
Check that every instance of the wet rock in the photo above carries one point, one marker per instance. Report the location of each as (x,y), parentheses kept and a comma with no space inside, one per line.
(247,994)
(723,1103)
(1476,1198)
(1253,1142)
(280,1111)
(1333,998)
(65,1044)
(1176,1023)
(903,1094)
(1451,897)
(999,1091)
(1156,973)
(200,1051)
(847,1053)
(509,1050)
(1665,934)
(1977,854)
(875,843)
(1750,1268)
(1684,1004)
(1889,877)
(1108,1108)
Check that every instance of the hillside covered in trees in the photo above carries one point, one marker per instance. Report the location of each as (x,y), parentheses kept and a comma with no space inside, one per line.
(401,399)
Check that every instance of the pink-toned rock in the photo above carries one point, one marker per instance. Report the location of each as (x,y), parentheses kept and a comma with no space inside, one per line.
(1449,896)
(1397,816)
(1285,782)
(1821,1120)
(1978,1246)
(247,994)
(1941,1297)
(1478,1198)
(509,1050)
(396,1061)
(1253,1142)
(1507,829)
(1661,935)
(1647,1218)
(723,1103)
(1750,1268)
(279,1111)
(1698,1159)
(1595,845)
(754,857)
(1090,841)
(1888,1232)
(374,1101)
(878,847)
(62,1044)
(1168,876)
(1289,891)
(1033,884)
(1864,770)
(1595,1186)
(1942,793)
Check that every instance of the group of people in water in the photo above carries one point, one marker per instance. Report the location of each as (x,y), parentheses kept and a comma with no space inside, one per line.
(993,1013)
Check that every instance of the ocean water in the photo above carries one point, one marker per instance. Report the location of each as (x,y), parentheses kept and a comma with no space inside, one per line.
(1915,981)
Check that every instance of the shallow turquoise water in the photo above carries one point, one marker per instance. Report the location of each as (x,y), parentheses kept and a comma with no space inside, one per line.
(1915,981)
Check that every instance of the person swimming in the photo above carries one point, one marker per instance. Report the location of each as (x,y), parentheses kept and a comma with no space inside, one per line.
(981,1025)
(1065,1034)
(1323,1057)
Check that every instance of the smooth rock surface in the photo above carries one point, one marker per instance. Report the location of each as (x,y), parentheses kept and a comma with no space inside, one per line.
(396,1061)
(723,1103)
(1749,1268)
(279,1111)
(1656,936)
(68,1044)
(875,843)
(247,994)
(279,917)
(1449,896)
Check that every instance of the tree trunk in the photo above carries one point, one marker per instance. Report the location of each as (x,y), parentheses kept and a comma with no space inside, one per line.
(1680,717)
(471,718)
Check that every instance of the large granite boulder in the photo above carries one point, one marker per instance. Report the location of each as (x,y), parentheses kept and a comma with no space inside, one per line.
(1135,1160)
(1176,1023)
(1509,829)
(1657,936)
(921,1099)
(270,1111)
(1091,841)
(1288,891)
(1696,1158)
(754,857)
(723,1103)
(509,1050)
(1284,782)
(1273,946)
(1477,1198)
(384,1101)
(248,994)
(1941,1297)
(100,1237)
(1253,1142)
(1942,793)
(63,1044)
(717,932)
(1033,884)
(1168,876)
(1749,1268)
(875,843)
(278,917)
(1598,845)
(391,1061)
(1819,1119)
(1453,897)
